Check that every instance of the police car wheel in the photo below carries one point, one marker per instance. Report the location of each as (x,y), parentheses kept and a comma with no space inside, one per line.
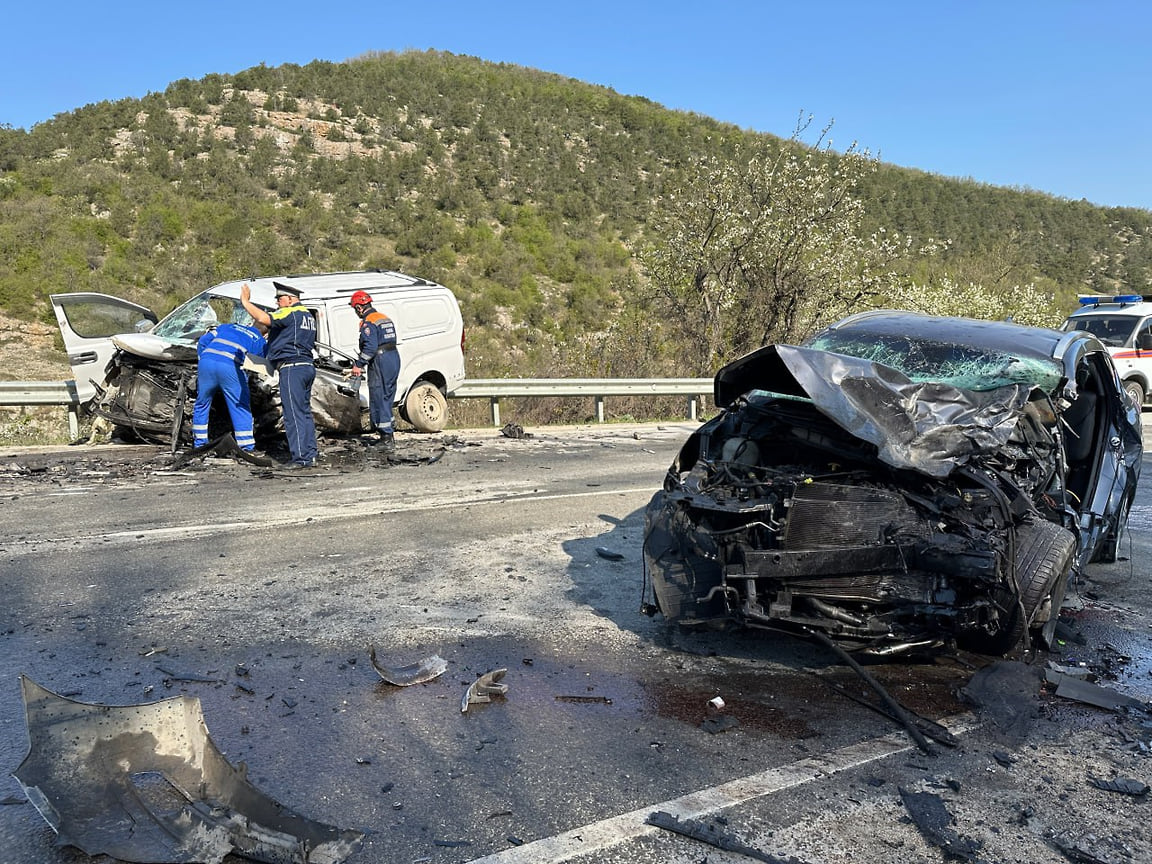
(426,407)
(1135,391)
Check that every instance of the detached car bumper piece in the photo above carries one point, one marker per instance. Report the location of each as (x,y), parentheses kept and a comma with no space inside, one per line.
(145,783)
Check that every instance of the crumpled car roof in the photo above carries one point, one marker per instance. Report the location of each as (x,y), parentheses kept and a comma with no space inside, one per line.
(924,426)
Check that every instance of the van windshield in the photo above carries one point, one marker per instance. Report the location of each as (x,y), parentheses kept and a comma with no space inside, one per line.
(1112,330)
(191,320)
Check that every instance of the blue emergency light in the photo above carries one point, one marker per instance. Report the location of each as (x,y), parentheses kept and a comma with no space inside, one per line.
(1118,298)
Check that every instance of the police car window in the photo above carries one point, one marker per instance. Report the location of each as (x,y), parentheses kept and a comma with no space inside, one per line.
(1112,330)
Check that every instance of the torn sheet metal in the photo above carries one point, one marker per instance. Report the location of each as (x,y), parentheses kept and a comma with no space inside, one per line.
(925,426)
(146,783)
(484,688)
(413,673)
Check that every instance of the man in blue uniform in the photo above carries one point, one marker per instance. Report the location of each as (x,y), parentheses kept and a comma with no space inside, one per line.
(291,341)
(379,356)
(220,353)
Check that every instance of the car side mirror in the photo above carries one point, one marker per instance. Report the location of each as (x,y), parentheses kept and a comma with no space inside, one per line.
(144,325)
(1144,341)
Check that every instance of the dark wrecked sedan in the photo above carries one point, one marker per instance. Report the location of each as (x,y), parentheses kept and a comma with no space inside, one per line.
(901,481)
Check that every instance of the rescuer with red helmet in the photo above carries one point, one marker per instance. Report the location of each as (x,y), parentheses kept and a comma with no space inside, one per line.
(378,355)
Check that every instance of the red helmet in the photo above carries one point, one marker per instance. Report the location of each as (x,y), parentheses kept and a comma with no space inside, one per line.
(360,298)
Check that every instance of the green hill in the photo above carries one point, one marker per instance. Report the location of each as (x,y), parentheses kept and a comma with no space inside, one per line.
(528,193)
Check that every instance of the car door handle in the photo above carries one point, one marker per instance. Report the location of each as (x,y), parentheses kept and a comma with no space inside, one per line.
(81,358)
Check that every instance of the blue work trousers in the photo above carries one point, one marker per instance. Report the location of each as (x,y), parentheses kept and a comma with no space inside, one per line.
(382,374)
(221,375)
(296,399)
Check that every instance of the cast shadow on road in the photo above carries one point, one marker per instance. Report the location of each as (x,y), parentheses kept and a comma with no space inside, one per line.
(607,574)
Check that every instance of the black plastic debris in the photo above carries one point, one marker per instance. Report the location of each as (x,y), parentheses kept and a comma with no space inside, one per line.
(605,552)
(717,723)
(1089,694)
(146,783)
(173,674)
(514,430)
(1007,694)
(1123,785)
(932,818)
(710,833)
(1006,760)
(484,688)
(413,673)
(225,445)
(1074,852)
(585,700)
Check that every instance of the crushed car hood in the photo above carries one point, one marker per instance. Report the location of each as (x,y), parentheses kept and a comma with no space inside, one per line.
(927,427)
(153,347)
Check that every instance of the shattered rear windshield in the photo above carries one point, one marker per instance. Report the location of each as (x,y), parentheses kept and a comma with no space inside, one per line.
(190,321)
(963,366)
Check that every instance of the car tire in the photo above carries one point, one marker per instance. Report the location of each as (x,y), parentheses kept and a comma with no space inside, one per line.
(1044,555)
(1135,391)
(425,407)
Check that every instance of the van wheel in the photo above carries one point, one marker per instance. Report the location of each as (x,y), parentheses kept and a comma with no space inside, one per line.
(1135,392)
(426,408)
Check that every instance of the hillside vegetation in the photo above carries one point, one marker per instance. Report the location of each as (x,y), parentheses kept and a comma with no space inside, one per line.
(531,195)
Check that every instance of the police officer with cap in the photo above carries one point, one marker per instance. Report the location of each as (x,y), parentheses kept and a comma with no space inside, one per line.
(291,342)
(379,356)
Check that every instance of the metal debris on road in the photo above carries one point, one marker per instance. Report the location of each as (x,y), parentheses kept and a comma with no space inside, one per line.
(930,815)
(484,688)
(605,552)
(413,673)
(146,782)
(187,677)
(1089,694)
(1123,785)
(711,834)
(602,700)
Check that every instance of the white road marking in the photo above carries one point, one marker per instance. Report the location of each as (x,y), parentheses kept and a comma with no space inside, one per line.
(607,833)
(327,513)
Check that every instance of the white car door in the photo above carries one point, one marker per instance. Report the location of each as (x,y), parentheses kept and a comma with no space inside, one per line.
(87,323)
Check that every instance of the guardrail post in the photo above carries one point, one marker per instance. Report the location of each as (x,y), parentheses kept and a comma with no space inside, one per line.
(691,407)
(599,409)
(495,403)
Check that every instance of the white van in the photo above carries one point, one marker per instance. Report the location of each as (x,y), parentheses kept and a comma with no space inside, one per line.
(139,373)
(1124,324)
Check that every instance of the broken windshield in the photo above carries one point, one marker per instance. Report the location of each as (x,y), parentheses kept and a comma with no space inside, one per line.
(951,363)
(188,322)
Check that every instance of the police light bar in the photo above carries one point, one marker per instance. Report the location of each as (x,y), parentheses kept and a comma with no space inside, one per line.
(1117,298)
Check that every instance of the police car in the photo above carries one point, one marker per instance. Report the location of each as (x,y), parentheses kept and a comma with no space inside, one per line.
(1123,322)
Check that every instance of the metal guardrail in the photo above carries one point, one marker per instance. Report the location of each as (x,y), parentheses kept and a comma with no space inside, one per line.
(44,393)
(494,389)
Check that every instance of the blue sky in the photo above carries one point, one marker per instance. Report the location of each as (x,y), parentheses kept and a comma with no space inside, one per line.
(1051,95)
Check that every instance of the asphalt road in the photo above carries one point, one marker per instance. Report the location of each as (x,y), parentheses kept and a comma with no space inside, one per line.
(125,577)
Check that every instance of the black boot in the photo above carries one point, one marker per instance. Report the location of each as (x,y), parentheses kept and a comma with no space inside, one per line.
(387,442)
